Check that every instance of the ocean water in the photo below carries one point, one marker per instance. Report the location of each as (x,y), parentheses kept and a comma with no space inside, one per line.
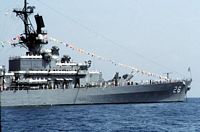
(101,118)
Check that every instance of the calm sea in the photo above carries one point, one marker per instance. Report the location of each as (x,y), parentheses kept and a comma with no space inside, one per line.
(122,117)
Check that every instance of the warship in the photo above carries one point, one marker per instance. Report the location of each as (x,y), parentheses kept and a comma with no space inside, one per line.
(41,77)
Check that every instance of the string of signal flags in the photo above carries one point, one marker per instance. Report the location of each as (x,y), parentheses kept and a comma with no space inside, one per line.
(82,51)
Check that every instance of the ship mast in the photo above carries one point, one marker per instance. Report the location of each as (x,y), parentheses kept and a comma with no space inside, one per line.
(25,18)
(31,39)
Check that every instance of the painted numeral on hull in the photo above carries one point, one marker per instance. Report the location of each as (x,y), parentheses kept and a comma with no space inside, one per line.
(177,89)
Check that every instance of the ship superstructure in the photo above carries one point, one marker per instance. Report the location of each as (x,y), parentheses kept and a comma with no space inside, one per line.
(42,68)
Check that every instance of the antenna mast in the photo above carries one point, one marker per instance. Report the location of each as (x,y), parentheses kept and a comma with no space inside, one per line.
(31,39)
(25,18)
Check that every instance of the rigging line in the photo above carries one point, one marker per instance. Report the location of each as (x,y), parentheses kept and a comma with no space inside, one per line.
(5,8)
(82,51)
(110,40)
(8,7)
(9,46)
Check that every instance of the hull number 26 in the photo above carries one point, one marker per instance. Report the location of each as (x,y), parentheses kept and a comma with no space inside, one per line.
(177,89)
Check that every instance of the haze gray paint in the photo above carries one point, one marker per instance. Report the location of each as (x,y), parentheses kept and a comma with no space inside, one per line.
(164,31)
(126,94)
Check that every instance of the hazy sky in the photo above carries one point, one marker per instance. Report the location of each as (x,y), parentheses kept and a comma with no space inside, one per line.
(156,35)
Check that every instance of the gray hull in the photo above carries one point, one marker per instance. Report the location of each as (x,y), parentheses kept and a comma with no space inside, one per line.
(169,92)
